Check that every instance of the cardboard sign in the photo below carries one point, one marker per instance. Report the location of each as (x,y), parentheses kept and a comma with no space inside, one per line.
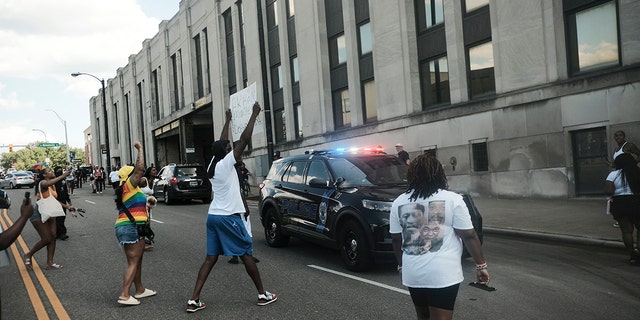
(241,105)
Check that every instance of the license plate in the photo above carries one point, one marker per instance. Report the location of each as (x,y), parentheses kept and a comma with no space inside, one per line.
(193,183)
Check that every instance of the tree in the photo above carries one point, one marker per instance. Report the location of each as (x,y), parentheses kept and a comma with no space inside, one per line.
(26,158)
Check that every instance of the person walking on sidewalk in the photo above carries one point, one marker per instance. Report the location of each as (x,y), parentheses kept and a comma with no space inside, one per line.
(402,154)
(433,276)
(225,232)
(623,146)
(132,205)
(623,185)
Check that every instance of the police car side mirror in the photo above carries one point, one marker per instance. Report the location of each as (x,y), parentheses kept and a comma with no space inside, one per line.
(318,183)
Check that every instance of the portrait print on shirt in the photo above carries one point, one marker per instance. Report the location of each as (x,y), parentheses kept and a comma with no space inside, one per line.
(422,226)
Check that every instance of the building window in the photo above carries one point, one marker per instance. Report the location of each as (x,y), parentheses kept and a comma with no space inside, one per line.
(199,76)
(291,10)
(295,75)
(342,108)
(155,94)
(276,78)
(593,38)
(431,151)
(272,15)
(338,50)
(471,5)
(364,31)
(481,76)
(280,125)
(430,13)
(117,122)
(175,90)
(480,156)
(298,115)
(370,101)
(231,63)
(434,79)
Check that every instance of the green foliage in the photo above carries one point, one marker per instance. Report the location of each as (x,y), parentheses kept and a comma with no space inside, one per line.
(24,159)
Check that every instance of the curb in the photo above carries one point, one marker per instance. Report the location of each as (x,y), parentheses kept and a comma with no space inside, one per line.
(607,243)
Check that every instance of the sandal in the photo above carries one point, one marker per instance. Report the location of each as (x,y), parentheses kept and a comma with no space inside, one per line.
(53,266)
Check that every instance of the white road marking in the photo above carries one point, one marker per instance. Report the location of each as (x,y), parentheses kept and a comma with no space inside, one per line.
(381,285)
(158,221)
(89,201)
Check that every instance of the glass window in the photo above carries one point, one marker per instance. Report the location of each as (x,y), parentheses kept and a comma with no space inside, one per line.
(471,5)
(276,77)
(434,12)
(338,50)
(342,108)
(365,39)
(280,125)
(593,38)
(480,156)
(294,174)
(481,76)
(291,8)
(294,70)
(434,78)
(370,100)
(299,121)
(317,170)
(272,15)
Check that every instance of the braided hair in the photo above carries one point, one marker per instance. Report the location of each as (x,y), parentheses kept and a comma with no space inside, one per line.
(426,176)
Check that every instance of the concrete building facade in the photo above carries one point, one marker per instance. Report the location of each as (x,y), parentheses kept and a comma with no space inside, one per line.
(517,98)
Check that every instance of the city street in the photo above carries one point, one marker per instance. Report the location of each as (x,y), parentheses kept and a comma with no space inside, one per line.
(534,279)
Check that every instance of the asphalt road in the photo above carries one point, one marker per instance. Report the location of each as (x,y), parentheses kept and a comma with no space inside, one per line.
(534,280)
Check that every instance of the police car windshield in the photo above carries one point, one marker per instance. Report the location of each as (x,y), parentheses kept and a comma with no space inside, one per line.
(370,171)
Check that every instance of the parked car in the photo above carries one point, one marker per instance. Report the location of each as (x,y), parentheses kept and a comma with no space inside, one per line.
(182,182)
(17,180)
(341,199)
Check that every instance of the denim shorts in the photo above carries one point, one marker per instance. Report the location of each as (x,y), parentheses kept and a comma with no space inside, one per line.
(227,235)
(127,234)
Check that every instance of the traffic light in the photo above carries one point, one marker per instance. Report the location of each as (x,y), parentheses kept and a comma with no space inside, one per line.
(10,147)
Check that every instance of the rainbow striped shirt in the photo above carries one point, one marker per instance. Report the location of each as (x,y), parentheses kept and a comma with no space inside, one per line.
(136,201)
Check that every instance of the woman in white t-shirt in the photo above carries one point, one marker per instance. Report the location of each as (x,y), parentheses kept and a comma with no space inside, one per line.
(623,185)
(428,225)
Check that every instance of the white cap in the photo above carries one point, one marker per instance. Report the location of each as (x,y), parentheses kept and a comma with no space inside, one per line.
(399,145)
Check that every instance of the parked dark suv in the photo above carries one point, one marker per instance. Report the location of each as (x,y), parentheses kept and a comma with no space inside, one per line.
(341,199)
(182,182)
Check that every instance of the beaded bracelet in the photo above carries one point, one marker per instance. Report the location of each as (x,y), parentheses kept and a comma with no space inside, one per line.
(481,266)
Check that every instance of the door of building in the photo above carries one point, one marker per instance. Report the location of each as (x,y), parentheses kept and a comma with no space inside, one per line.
(590,160)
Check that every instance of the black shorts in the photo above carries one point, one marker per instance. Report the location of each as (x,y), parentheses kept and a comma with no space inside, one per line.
(441,298)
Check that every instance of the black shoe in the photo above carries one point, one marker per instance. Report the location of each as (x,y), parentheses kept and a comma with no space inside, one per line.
(63,237)
(234,260)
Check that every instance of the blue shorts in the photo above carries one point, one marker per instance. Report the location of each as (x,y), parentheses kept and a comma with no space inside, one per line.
(127,234)
(228,236)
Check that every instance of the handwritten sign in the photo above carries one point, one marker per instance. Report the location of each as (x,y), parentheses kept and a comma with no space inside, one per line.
(241,105)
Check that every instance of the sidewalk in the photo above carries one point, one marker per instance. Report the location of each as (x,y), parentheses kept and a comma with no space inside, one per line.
(580,221)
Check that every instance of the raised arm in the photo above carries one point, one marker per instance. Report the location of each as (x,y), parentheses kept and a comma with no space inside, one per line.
(138,169)
(245,137)
(224,135)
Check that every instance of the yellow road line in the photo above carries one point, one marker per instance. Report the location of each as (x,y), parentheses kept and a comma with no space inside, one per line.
(57,306)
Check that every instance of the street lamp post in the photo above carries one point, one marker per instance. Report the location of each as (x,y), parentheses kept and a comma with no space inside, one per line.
(66,137)
(104,111)
(45,134)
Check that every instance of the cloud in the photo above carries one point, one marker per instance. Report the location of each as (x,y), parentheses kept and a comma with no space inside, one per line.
(42,38)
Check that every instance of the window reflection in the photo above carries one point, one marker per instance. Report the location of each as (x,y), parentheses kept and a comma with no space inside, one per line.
(597,42)
(481,76)
(365,39)
(434,12)
(370,100)
(471,5)
(342,49)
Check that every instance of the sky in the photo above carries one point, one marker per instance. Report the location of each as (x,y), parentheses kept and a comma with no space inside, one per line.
(42,42)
